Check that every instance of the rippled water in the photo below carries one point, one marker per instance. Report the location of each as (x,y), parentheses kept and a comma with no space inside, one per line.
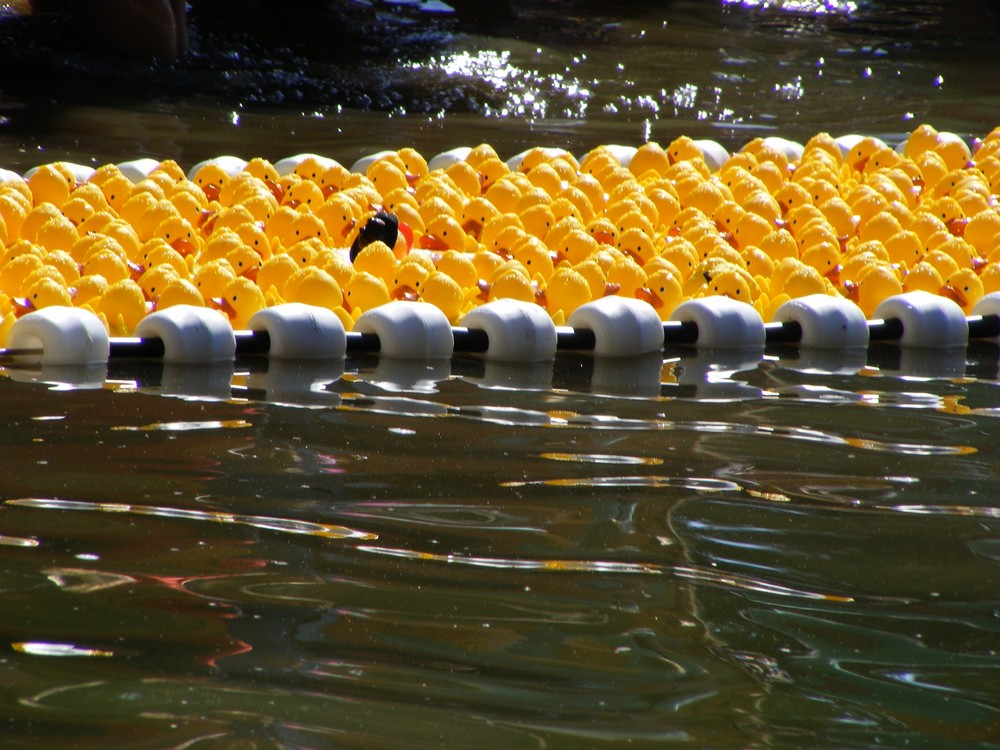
(693,550)
(583,554)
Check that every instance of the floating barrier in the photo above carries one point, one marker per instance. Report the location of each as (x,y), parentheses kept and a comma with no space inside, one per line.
(504,331)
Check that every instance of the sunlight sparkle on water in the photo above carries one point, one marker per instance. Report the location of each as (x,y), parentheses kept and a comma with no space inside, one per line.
(803,7)
(529,93)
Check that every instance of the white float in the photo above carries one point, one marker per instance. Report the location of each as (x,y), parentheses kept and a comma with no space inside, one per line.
(623,154)
(137,170)
(792,150)
(190,334)
(713,152)
(448,158)
(723,323)
(517,331)
(66,336)
(409,330)
(7,175)
(362,164)
(988,304)
(289,163)
(622,326)
(928,320)
(299,331)
(231,165)
(827,322)
(550,152)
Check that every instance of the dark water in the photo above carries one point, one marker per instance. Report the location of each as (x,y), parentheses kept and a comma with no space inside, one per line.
(710,551)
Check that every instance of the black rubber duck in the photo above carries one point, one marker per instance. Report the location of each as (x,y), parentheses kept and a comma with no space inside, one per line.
(382,226)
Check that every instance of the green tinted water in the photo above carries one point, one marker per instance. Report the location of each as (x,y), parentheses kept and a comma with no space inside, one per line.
(682,551)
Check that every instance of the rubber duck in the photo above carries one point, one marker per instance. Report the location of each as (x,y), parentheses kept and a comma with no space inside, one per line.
(381,228)
(305,226)
(244,261)
(627,275)
(12,213)
(51,183)
(64,263)
(363,292)
(512,283)
(408,281)
(443,232)
(414,164)
(460,267)
(340,214)
(211,279)
(565,291)
(445,293)
(922,276)
(88,289)
(58,233)
(982,229)
(44,291)
(178,291)
(123,305)
(663,291)
(877,282)
(964,287)
(387,176)
(475,214)
(377,259)
(155,280)
(314,286)
(275,271)
(239,300)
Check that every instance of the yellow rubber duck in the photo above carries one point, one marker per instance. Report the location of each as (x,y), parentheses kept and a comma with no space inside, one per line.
(443,232)
(444,292)
(211,279)
(239,300)
(964,287)
(122,306)
(179,291)
(663,291)
(363,292)
(314,286)
(275,271)
(922,276)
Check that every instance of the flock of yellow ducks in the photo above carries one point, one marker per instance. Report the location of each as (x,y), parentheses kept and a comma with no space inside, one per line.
(776,220)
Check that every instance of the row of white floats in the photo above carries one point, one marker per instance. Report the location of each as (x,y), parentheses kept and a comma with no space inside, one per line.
(502,331)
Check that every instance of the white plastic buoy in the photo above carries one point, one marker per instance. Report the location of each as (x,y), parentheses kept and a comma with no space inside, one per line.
(66,336)
(231,165)
(517,331)
(80,172)
(190,334)
(723,323)
(448,158)
(792,150)
(623,154)
(827,322)
(409,330)
(988,304)
(551,152)
(929,320)
(289,163)
(362,164)
(137,170)
(7,175)
(622,326)
(847,142)
(299,331)
(713,152)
